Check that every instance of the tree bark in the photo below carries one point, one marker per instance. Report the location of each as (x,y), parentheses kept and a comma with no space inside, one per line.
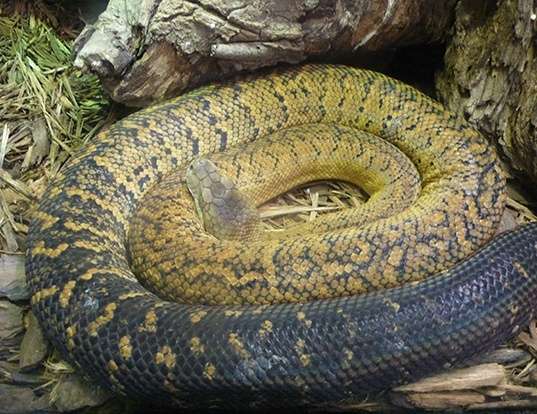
(149,49)
(490,75)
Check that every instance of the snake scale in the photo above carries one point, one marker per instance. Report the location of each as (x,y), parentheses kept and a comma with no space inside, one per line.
(324,349)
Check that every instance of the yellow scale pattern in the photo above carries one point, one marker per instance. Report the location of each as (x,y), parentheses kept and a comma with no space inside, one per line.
(89,230)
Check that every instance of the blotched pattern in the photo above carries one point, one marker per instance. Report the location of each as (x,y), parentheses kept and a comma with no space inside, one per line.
(102,319)
(175,257)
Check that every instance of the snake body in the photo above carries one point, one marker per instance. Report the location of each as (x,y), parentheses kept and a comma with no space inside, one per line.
(105,322)
(177,255)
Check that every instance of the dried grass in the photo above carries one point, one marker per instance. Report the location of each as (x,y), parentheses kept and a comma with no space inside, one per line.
(48,109)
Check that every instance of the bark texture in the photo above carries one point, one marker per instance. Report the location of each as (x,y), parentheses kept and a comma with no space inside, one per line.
(149,49)
(490,75)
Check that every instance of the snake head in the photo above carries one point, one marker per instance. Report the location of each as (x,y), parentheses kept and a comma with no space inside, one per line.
(223,210)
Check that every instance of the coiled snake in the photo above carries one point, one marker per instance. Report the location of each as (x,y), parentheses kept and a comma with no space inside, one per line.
(326,349)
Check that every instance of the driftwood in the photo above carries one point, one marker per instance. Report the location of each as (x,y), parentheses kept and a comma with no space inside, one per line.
(148,49)
(490,75)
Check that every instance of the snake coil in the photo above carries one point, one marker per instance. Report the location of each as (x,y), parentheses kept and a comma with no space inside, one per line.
(105,322)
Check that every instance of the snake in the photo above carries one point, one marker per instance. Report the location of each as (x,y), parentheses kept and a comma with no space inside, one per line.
(453,290)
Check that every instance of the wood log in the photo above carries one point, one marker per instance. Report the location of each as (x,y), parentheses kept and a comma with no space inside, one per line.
(490,75)
(150,49)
